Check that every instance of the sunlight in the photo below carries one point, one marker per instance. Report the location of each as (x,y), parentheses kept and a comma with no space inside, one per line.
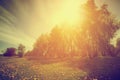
(70,13)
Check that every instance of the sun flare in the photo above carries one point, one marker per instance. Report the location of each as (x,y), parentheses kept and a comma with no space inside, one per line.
(70,13)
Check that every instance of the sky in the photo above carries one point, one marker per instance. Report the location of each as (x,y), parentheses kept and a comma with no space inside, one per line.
(22,21)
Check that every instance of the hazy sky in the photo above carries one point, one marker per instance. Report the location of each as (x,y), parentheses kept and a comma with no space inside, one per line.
(22,21)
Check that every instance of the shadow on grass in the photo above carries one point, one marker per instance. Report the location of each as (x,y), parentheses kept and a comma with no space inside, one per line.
(107,68)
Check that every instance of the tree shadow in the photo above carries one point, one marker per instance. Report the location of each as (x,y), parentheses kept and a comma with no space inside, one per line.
(99,68)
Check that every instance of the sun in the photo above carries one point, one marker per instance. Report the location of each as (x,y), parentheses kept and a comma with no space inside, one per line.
(70,12)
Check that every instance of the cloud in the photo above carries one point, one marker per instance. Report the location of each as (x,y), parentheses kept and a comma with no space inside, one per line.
(11,34)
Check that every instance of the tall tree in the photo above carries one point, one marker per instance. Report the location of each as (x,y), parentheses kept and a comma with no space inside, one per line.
(41,46)
(98,28)
(56,42)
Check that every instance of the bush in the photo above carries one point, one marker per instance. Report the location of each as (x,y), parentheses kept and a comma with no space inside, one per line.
(10,52)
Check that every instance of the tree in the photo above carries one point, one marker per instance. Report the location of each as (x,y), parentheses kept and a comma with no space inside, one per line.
(69,40)
(107,26)
(41,46)
(85,36)
(10,52)
(91,39)
(98,28)
(56,43)
(21,50)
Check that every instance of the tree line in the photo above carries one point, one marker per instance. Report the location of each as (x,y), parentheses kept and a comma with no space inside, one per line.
(91,38)
(10,52)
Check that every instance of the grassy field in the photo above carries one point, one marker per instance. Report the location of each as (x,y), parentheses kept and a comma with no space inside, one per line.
(75,69)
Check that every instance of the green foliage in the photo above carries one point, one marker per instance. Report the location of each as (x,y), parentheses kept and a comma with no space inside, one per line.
(21,50)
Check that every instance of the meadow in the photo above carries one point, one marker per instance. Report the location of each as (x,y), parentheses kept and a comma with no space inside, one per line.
(14,68)
(59,40)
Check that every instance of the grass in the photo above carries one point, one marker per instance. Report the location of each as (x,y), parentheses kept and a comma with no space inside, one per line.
(106,68)
(22,69)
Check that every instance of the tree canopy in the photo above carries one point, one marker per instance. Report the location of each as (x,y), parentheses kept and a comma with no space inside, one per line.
(91,39)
